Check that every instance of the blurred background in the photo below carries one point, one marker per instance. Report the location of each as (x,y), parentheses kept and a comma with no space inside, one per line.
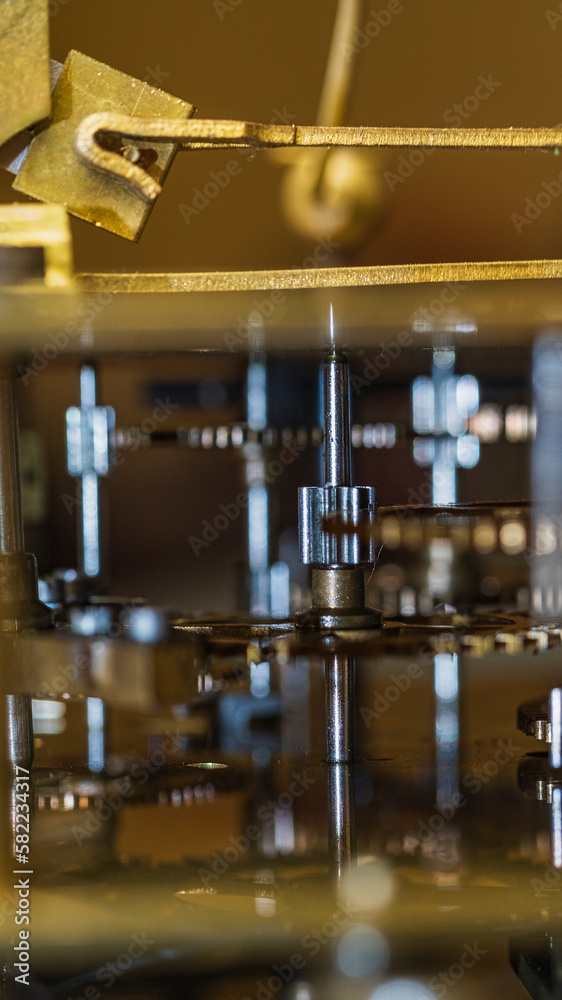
(471,63)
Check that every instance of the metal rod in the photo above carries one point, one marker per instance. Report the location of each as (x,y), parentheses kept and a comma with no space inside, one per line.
(340,708)
(340,72)
(18,718)
(342,847)
(203,133)
(11,519)
(340,752)
(337,449)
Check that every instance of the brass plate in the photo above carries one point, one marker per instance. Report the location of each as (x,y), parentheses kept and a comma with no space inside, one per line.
(25,96)
(53,173)
(503,302)
(43,226)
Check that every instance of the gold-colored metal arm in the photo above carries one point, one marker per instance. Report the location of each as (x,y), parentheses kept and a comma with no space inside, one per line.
(445,138)
(209,132)
(295,279)
(341,65)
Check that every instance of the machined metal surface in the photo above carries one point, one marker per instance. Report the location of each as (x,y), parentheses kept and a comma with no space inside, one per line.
(340,708)
(338,585)
(19,729)
(354,506)
(337,419)
(342,837)
(24,56)
(338,600)
(52,172)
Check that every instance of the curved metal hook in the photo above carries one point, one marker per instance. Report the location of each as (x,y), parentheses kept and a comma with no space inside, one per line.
(198,134)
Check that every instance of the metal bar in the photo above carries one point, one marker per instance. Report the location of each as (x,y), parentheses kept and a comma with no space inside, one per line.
(11,518)
(342,850)
(340,708)
(187,134)
(322,277)
(340,752)
(342,63)
(337,448)
(445,138)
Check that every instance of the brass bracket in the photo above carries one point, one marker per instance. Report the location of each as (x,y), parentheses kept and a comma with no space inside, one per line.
(51,171)
(44,228)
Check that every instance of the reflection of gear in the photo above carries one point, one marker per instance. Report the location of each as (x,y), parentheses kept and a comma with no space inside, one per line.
(483,527)
(537,779)
(473,635)
(56,791)
(533,719)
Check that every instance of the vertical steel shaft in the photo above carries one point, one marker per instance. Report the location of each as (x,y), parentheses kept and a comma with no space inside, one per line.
(337,449)
(11,519)
(342,847)
(340,705)
(18,583)
(340,746)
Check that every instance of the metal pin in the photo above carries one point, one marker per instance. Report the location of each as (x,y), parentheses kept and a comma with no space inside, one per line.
(340,751)
(337,447)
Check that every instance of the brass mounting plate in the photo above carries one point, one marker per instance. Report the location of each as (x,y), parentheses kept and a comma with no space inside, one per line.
(53,173)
